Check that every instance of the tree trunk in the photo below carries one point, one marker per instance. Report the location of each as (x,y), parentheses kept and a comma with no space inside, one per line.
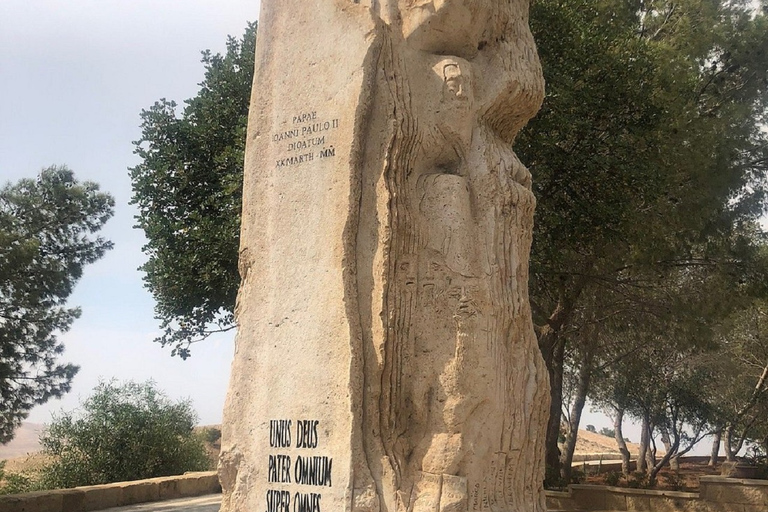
(582,387)
(555,369)
(619,435)
(730,455)
(552,347)
(674,459)
(715,449)
(650,455)
(654,470)
(642,457)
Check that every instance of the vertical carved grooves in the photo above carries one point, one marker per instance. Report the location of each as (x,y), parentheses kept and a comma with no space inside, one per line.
(520,374)
(365,487)
(396,325)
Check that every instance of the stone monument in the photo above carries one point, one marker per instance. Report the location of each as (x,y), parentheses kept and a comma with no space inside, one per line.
(385,359)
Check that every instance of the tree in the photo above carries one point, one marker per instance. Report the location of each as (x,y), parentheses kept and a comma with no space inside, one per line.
(188,190)
(648,162)
(738,392)
(123,432)
(46,238)
(646,157)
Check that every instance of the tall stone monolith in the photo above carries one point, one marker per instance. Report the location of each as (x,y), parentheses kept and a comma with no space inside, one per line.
(385,359)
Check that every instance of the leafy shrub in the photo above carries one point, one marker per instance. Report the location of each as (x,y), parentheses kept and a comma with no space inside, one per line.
(578,476)
(608,432)
(613,478)
(15,483)
(124,432)
(638,480)
(553,480)
(674,481)
(212,435)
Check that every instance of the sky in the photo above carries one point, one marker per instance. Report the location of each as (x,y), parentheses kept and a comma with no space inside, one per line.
(74,76)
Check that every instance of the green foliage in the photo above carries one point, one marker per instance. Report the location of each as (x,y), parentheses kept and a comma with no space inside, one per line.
(637,480)
(46,238)
(212,435)
(648,161)
(15,483)
(608,432)
(591,428)
(612,478)
(673,480)
(123,432)
(578,477)
(188,190)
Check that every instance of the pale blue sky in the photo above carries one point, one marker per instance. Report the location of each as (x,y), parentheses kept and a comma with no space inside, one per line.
(74,75)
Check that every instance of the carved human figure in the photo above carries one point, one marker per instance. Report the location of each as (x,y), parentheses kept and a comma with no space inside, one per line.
(463,388)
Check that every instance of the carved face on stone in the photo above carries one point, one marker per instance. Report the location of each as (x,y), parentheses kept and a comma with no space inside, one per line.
(452,27)
(499,48)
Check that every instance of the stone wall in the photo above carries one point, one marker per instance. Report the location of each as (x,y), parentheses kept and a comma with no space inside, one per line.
(100,497)
(717,494)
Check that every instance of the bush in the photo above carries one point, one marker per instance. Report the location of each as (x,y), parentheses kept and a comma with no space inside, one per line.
(608,432)
(674,480)
(638,480)
(212,434)
(578,476)
(14,483)
(123,432)
(613,478)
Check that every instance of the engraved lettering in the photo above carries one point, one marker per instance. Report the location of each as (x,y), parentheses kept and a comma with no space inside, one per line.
(280,433)
(306,144)
(279,469)
(304,117)
(306,433)
(285,135)
(313,471)
(309,502)
(278,501)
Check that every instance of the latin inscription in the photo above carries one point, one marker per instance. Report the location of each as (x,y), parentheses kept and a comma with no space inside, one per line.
(305,469)
(306,139)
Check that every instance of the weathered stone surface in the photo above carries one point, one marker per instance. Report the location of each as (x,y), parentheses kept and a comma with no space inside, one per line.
(386,359)
(100,497)
(731,490)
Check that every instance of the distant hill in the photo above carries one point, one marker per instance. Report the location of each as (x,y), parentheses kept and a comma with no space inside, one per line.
(24,443)
(592,442)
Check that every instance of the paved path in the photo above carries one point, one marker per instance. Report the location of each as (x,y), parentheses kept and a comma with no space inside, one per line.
(209,503)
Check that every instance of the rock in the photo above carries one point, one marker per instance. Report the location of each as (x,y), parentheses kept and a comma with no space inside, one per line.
(385,359)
